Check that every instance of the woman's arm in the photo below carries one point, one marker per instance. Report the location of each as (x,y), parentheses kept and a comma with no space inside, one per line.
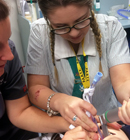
(68,106)
(39,90)
(23,115)
(120,77)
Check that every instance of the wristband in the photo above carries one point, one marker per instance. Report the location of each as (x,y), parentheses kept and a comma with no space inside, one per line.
(50,112)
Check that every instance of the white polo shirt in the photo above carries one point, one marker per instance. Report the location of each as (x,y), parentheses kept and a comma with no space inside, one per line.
(115,51)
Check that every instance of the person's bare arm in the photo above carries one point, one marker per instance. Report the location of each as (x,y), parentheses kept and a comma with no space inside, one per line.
(68,106)
(25,116)
(124,112)
(120,77)
(39,90)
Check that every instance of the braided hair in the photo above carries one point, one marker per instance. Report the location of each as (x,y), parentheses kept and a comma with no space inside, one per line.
(48,6)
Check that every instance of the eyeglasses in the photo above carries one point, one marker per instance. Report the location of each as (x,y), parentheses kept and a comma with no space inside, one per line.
(79,25)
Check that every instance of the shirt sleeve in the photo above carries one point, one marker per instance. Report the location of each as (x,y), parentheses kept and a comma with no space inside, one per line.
(37,49)
(118,51)
(14,85)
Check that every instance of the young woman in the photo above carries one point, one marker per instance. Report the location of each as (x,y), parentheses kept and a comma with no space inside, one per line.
(66,49)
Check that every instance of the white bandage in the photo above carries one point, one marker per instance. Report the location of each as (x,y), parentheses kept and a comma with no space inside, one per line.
(88,92)
(87,96)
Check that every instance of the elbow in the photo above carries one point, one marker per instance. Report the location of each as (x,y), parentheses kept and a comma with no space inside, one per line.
(31,95)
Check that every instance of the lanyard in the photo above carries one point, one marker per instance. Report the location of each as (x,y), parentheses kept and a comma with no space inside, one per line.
(85,79)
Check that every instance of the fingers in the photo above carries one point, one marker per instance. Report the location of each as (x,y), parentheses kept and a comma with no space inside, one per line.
(93,135)
(124,112)
(97,119)
(77,133)
(85,121)
(89,135)
(114,125)
(88,107)
(72,106)
(80,111)
(78,122)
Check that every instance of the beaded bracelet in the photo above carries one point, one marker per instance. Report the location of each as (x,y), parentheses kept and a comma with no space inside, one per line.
(50,112)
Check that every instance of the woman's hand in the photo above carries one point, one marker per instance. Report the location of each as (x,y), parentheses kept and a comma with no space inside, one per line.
(69,106)
(114,125)
(124,112)
(79,133)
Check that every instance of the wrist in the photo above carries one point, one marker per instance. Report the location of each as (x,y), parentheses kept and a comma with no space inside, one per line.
(50,111)
(57,101)
(64,124)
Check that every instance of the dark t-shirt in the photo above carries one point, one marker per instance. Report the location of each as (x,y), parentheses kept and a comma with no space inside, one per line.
(12,86)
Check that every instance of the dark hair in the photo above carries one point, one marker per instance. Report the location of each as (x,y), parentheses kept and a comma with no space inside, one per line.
(4,10)
(48,6)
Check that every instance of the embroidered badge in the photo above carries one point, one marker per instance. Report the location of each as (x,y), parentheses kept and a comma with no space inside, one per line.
(77,74)
(81,88)
(77,81)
